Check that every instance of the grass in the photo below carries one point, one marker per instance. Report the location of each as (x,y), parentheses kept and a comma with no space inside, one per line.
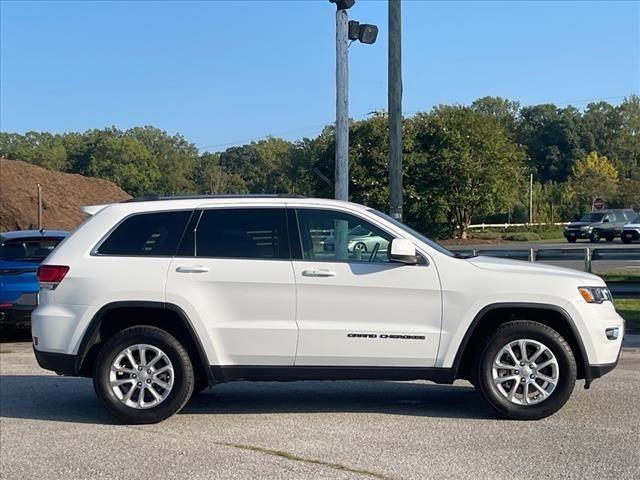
(522,237)
(522,234)
(619,277)
(630,311)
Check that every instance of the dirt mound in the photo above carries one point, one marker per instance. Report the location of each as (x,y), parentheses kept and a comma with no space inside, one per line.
(62,196)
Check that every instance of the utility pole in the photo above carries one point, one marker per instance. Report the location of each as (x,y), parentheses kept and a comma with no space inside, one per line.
(395,110)
(342,105)
(39,207)
(531,200)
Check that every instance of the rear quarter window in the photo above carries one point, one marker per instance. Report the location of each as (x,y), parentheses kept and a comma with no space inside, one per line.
(147,234)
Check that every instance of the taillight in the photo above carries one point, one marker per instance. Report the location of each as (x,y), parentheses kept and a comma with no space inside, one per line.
(50,276)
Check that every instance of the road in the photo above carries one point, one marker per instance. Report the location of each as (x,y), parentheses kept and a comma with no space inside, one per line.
(53,427)
(598,266)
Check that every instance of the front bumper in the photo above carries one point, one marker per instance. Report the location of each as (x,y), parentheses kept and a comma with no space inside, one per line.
(597,371)
(569,234)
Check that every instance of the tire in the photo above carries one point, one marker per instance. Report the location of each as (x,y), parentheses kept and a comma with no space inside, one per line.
(595,236)
(609,238)
(571,239)
(626,240)
(360,247)
(556,348)
(114,364)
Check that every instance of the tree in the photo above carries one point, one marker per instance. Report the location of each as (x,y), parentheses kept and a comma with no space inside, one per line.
(591,177)
(210,178)
(40,148)
(552,138)
(174,156)
(627,141)
(472,167)
(505,111)
(126,162)
(629,191)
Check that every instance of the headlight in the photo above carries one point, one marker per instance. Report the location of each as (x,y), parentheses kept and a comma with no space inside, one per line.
(586,228)
(595,294)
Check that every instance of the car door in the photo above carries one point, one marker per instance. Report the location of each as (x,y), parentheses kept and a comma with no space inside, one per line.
(354,306)
(234,275)
(620,221)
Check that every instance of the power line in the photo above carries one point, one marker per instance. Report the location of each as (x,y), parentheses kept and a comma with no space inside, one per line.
(378,110)
(277,134)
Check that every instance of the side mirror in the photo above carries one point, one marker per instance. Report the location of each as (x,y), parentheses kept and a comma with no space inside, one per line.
(606,220)
(403,251)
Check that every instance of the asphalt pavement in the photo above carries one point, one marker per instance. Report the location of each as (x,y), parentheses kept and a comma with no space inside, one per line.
(54,427)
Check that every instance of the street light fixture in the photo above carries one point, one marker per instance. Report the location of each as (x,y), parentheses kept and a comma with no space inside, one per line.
(364,32)
(343,4)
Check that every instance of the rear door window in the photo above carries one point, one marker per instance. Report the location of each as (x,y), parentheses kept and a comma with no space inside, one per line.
(147,234)
(250,233)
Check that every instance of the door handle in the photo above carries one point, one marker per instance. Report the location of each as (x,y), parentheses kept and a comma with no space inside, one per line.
(322,272)
(192,269)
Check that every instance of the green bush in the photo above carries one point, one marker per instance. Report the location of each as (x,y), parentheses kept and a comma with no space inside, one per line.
(485,235)
(522,237)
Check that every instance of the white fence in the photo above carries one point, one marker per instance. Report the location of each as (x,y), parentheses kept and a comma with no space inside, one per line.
(506,226)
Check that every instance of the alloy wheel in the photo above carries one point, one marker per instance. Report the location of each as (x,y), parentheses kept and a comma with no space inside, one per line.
(141,376)
(525,372)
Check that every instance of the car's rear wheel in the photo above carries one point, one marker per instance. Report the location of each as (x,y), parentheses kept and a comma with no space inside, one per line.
(143,375)
(526,370)
(360,247)
(610,237)
(595,236)
(626,240)
(571,239)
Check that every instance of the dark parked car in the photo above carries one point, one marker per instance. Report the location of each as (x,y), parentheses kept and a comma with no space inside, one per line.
(20,254)
(631,231)
(594,226)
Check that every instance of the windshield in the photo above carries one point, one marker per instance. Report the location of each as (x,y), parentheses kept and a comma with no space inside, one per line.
(592,217)
(27,249)
(413,233)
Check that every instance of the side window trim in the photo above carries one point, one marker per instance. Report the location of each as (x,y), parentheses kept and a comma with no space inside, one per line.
(295,239)
(189,235)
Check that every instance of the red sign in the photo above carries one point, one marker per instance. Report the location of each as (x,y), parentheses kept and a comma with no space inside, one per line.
(598,204)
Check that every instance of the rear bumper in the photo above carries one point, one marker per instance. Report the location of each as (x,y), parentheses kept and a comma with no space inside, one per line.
(61,363)
(16,316)
(632,235)
(19,313)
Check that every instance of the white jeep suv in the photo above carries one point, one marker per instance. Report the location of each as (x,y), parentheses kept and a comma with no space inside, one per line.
(158,299)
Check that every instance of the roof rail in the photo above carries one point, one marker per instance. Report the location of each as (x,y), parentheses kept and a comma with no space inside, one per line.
(154,198)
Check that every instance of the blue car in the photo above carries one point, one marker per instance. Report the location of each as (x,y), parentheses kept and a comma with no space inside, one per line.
(20,254)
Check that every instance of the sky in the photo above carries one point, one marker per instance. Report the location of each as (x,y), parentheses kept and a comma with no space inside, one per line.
(223,73)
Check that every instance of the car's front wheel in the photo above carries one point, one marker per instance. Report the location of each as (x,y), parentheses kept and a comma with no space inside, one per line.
(526,370)
(143,375)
